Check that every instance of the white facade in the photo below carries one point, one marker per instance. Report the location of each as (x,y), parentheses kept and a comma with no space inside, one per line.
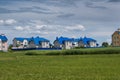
(75,44)
(92,44)
(3,46)
(67,45)
(20,44)
(43,44)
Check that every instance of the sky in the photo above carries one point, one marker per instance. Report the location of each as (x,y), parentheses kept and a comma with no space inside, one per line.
(97,19)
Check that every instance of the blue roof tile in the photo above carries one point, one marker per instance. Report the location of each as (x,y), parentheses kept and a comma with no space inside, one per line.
(36,40)
(85,40)
(22,39)
(3,38)
(61,40)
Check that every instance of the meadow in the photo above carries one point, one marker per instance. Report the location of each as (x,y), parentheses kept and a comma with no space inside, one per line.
(61,65)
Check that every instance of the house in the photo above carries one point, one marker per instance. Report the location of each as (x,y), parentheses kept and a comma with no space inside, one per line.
(3,43)
(63,42)
(69,43)
(87,42)
(116,38)
(39,42)
(32,42)
(75,42)
(19,42)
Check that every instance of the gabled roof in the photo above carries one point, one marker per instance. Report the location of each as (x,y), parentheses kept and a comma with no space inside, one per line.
(37,40)
(22,39)
(61,40)
(3,38)
(75,40)
(87,40)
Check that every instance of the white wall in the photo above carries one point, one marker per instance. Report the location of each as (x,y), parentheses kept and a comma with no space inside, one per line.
(68,45)
(3,45)
(92,44)
(45,45)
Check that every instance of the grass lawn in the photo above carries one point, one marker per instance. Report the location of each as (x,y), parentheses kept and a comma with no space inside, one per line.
(18,66)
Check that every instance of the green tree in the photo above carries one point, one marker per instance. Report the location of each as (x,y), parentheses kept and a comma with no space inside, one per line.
(10,47)
(105,44)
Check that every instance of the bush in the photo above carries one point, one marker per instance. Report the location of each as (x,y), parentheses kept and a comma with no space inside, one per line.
(31,53)
(86,51)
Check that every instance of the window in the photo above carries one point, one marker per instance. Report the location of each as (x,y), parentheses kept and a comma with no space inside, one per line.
(46,42)
(43,43)
(25,43)
(3,46)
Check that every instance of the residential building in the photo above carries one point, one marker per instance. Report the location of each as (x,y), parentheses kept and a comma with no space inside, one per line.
(3,43)
(39,42)
(32,42)
(69,43)
(20,42)
(116,38)
(63,42)
(87,42)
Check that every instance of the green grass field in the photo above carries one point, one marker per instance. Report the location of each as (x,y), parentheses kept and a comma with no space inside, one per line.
(19,66)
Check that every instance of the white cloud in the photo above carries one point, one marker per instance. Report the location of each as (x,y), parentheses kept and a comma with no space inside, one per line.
(40,26)
(10,21)
(76,28)
(40,32)
(1,21)
(19,28)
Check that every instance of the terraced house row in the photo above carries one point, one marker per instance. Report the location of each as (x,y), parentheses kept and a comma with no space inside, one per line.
(40,42)
(59,42)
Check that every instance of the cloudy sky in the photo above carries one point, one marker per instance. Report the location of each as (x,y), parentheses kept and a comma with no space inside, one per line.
(97,19)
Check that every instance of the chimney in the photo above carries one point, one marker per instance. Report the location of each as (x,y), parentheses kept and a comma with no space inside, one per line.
(56,38)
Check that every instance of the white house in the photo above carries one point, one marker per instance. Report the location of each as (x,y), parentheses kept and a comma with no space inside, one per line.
(36,42)
(21,42)
(63,42)
(39,42)
(69,43)
(3,43)
(87,42)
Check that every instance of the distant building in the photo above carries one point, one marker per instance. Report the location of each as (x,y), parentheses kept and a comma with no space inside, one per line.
(39,42)
(19,42)
(3,43)
(87,42)
(36,42)
(63,42)
(69,43)
(116,38)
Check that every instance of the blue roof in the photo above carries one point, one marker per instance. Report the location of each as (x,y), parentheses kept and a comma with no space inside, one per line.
(22,39)
(37,40)
(3,38)
(61,40)
(85,40)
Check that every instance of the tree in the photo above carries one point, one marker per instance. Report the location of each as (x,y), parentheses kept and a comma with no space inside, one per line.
(10,47)
(105,44)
